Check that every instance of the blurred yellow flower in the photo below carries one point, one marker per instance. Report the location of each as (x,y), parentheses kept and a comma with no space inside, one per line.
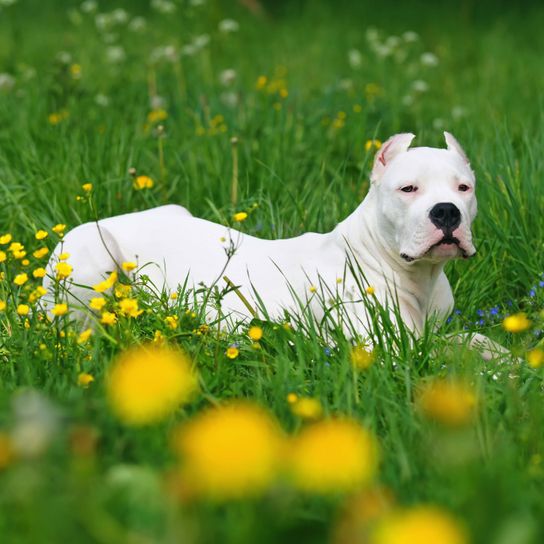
(59,228)
(155,116)
(84,336)
(535,358)
(56,117)
(23,309)
(231,451)
(25,262)
(122,291)
(19,254)
(36,294)
(419,525)
(255,333)
(39,272)
(147,383)
(3,305)
(20,279)
(239,217)
(361,357)
(5,239)
(292,398)
(142,182)
(108,318)
(106,284)
(232,352)
(42,252)
(261,82)
(129,266)
(15,246)
(369,144)
(87,187)
(84,379)
(3,256)
(447,401)
(64,256)
(370,290)
(171,321)
(307,408)
(333,456)
(129,307)
(60,309)
(516,323)
(97,303)
(41,234)
(75,71)
(63,270)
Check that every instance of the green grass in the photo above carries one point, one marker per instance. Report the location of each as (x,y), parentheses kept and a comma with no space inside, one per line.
(304,174)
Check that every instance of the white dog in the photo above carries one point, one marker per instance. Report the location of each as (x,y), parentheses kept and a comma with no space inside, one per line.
(416,215)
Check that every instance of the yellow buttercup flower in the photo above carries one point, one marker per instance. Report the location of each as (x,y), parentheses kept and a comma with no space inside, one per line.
(535,358)
(122,291)
(129,307)
(108,318)
(39,292)
(231,451)
(239,217)
(39,272)
(370,290)
(106,284)
(19,254)
(255,333)
(15,246)
(97,303)
(3,256)
(87,187)
(171,321)
(516,323)
(63,270)
(333,456)
(59,228)
(3,305)
(361,357)
(23,309)
(25,262)
(63,256)
(307,408)
(449,402)
(129,266)
(5,239)
(60,309)
(20,279)
(41,234)
(84,379)
(147,383)
(142,182)
(41,252)
(419,525)
(232,352)
(84,336)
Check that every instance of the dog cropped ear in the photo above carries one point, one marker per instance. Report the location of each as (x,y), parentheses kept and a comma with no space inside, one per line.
(399,143)
(455,146)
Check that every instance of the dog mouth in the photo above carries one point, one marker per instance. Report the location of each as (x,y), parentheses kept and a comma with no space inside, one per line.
(447,240)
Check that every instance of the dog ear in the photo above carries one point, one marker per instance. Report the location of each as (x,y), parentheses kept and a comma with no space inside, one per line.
(455,146)
(399,143)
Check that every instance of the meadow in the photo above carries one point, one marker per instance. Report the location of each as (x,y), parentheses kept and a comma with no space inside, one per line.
(154,425)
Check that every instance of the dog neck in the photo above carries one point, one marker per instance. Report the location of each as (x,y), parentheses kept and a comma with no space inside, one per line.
(382,266)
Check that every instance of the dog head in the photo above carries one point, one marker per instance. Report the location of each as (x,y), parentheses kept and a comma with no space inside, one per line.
(426,199)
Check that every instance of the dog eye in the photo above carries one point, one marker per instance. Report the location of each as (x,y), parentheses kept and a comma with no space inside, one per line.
(463,188)
(408,189)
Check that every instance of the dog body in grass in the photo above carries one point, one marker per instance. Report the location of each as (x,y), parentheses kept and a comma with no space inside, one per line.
(416,216)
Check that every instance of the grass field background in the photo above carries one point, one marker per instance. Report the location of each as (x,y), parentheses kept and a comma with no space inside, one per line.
(89,91)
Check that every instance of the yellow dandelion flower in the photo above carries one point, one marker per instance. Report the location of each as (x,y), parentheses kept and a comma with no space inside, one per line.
(59,228)
(147,383)
(172,321)
(232,352)
(255,333)
(307,408)
(421,525)
(156,116)
(23,309)
(5,239)
(20,279)
(87,187)
(3,256)
(129,307)
(41,235)
(239,217)
(39,272)
(333,456)
(361,357)
(84,379)
(142,182)
(64,256)
(452,403)
(60,309)
(129,266)
(535,358)
(516,323)
(97,303)
(84,336)
(108,318)
(41,252)
(63,270)
(230,452)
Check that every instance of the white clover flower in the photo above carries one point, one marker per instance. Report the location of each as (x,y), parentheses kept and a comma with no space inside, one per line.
(64,57)
(228,25)
(115,54)
(345,84)
(408,100)
(201,41)
(89,6)
(163,6)
(355,58)
(7,82)
(392,42)
(429,59)
(410,36)
(102,100)
(372,35)
(157,102)
(229,99)
(137,24)
(102,21)
(420,86)
(119,16)
(189,50)
(227,77)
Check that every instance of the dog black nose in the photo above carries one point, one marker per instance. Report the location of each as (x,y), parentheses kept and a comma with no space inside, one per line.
(445,215)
